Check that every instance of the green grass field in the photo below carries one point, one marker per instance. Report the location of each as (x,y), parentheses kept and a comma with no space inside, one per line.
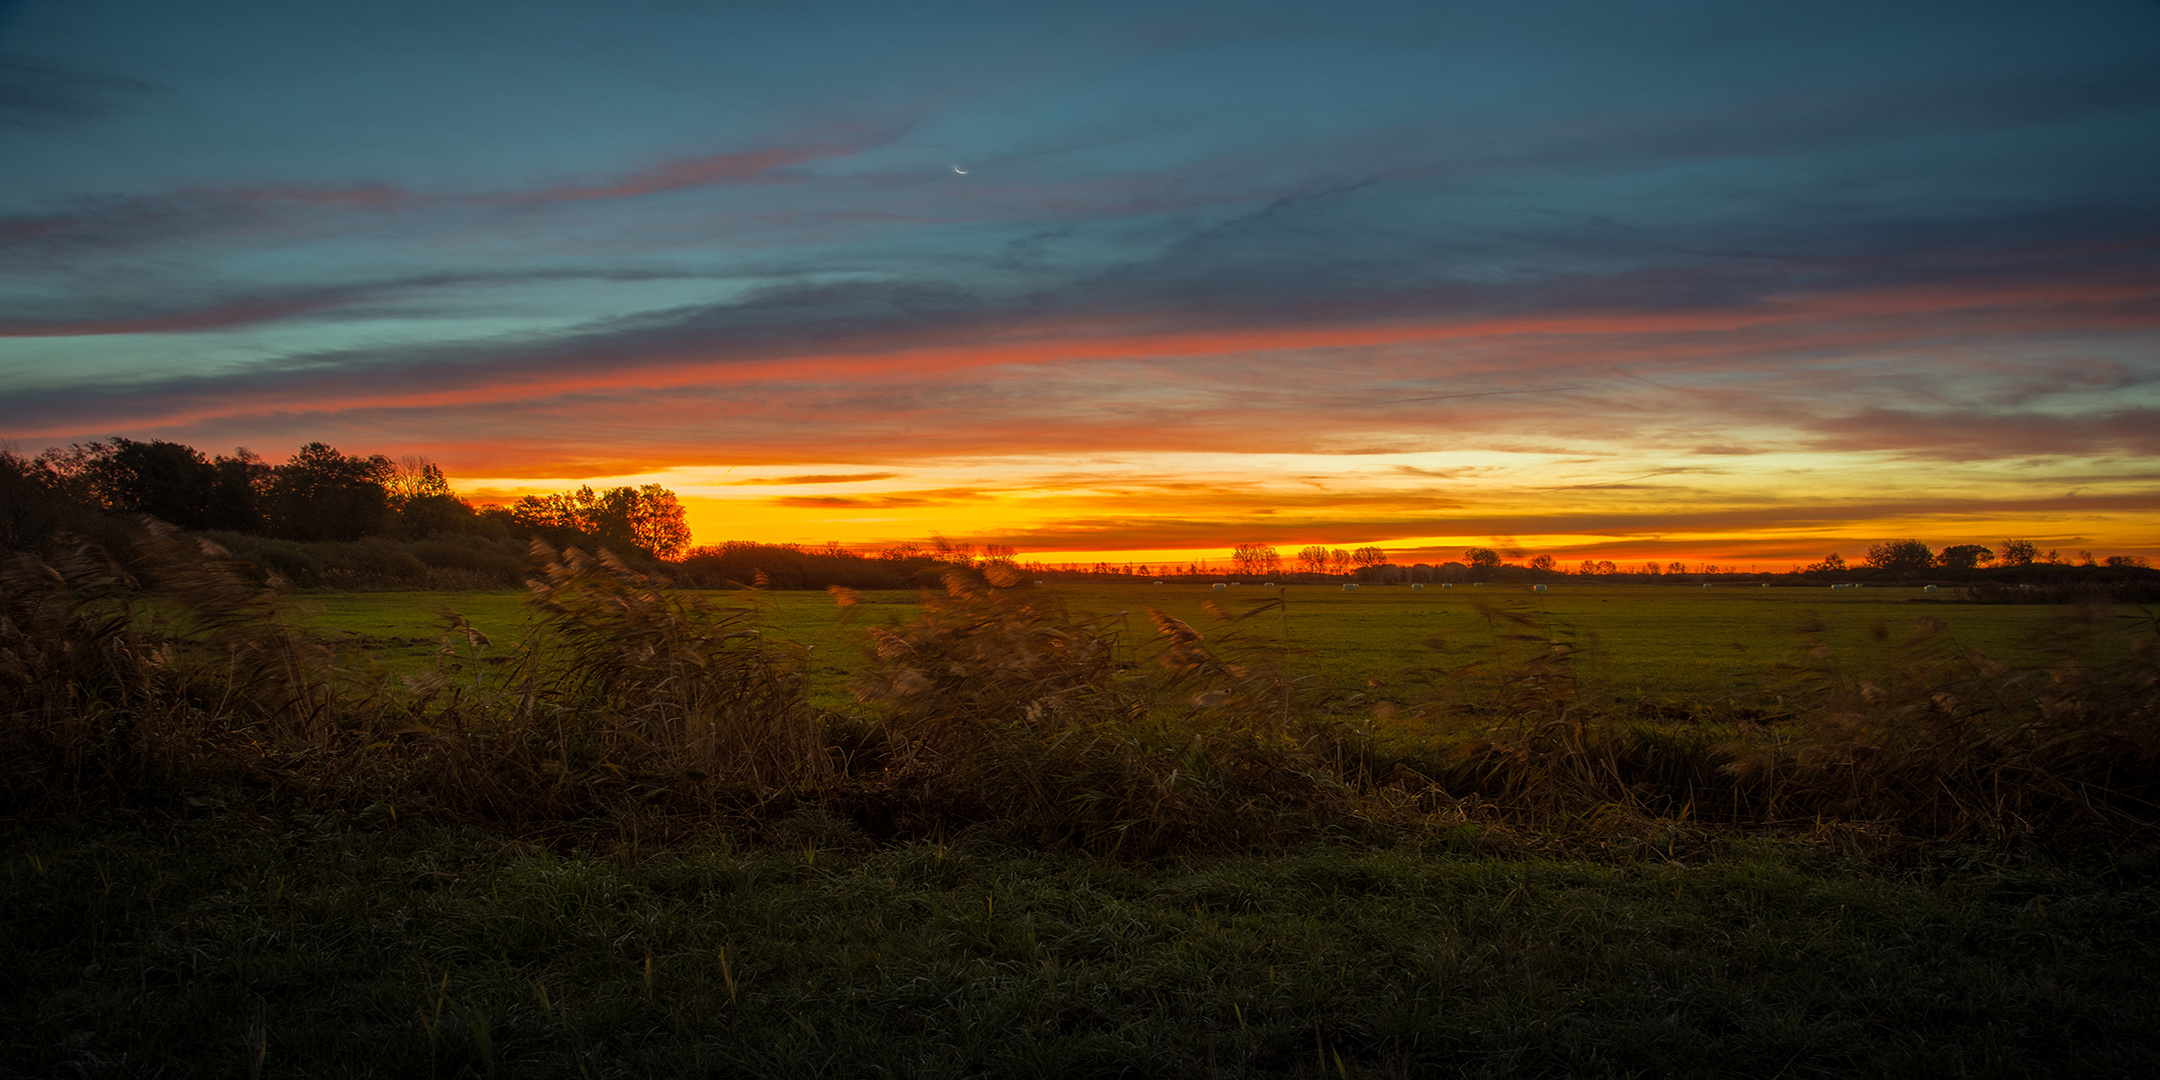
(212,948)
(1035,854)
(1637,642)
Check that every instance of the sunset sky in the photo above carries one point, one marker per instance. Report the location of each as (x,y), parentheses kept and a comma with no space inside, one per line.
(1744,283)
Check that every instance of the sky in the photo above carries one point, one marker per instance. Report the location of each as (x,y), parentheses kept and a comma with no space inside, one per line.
(1736,283)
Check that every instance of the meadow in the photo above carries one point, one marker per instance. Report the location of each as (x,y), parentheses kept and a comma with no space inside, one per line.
(1675,644)
(605,828)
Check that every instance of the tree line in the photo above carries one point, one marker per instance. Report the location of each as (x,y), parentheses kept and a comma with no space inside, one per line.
(319,494)
(324,517)
(1904,557)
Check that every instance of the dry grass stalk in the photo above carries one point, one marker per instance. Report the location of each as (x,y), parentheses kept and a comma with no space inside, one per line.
(633,676)
(635,704)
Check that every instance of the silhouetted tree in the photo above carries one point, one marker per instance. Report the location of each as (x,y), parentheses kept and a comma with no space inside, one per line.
(422,501)
(646,519)
(2019,553)
(236,500)
(657,521)
(1964,557)
(320,494)
(1255,560)
(35,501)
(169,481)
(1313,559)
(1901,555)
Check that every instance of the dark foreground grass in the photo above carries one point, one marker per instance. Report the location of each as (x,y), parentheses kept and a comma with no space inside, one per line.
(218,947)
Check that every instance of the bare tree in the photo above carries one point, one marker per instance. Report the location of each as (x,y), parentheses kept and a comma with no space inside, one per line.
(1255,560)
(1313,559)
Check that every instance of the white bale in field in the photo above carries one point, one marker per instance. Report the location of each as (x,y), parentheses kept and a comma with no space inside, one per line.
(1418,587)
(1705,584)
(1350,587)
(1537,588)
(1158,583)
(1219,586)
(1447,585)
(1930,588)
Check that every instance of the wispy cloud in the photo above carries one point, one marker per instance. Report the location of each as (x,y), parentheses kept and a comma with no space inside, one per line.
(814,478)
(1399,277)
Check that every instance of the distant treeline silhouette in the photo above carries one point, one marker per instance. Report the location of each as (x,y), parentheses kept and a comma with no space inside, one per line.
(321,517)
(326,519)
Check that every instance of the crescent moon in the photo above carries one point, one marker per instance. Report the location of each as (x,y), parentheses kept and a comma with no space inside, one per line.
(959,170)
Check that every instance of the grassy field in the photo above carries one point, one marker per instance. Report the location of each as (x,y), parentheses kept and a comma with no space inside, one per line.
(1058,846)
(216,948)
(1647,642)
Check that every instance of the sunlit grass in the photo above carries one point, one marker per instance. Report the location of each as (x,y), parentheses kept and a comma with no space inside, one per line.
(1656,642)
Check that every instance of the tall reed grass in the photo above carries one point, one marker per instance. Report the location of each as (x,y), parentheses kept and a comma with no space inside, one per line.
(633,706)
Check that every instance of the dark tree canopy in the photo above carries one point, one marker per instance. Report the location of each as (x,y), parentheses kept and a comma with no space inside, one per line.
(165,480)
(1964,557)
(647,519)
(1901,555)
(318,495)
(321,494)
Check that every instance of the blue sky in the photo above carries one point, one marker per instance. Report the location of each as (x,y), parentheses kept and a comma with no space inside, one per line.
(1705,279)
